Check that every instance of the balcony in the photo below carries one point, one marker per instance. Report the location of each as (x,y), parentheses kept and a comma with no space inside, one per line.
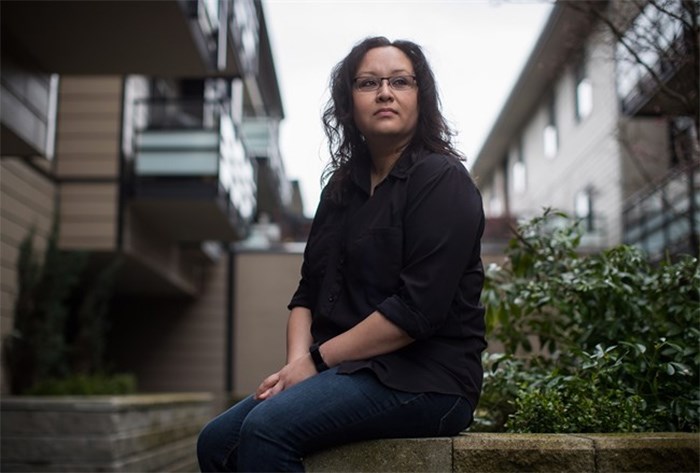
(666,218)
(155,37)
(261,136)
(192,178)
(658,75)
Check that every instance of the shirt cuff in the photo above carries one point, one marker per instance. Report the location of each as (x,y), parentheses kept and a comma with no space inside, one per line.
(407,318)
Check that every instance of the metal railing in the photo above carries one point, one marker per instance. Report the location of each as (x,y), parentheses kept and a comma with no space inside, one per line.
(666,217)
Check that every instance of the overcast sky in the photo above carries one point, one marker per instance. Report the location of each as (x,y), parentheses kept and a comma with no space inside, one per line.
(476,49)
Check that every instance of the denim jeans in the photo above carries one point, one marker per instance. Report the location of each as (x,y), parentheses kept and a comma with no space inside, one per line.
(325,410)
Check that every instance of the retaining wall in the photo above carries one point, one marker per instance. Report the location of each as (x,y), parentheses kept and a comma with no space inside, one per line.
(158,433)
(475,452)
(141,433)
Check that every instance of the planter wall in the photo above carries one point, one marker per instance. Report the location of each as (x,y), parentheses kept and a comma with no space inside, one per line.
(494,453)
(155,432)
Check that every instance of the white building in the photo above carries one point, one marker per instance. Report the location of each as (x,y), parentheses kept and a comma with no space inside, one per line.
(591,130)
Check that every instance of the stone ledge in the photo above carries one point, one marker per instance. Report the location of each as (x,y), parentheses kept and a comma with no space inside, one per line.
(483,452)
(101,403)
(154,432)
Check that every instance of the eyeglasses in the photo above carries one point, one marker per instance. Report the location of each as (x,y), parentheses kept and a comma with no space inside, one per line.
(371,83)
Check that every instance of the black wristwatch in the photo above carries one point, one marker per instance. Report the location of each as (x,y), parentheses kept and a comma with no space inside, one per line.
(318,359)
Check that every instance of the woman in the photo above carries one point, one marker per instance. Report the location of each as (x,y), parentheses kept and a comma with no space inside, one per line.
(385,334)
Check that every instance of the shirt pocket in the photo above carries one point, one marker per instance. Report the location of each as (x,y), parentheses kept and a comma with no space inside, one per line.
(374,260)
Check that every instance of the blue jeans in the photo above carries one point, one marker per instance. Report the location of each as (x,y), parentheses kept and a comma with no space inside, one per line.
(325,410)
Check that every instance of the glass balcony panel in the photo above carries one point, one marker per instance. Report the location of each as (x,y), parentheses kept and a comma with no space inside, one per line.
(236,171)
(177,140)
(258,136)
(177,163)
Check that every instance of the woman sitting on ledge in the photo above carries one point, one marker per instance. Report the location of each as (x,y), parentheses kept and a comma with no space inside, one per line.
(385,333)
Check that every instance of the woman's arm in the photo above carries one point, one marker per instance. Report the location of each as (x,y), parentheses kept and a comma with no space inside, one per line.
(298,333)
(373,336)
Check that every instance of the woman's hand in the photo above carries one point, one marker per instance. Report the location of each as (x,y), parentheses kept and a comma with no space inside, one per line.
(294,372)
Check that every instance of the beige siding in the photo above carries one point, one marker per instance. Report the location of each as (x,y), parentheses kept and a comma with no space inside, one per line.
(265,283)
(177,345)
(26,201)
(149,246)
(87,153)
(88,216)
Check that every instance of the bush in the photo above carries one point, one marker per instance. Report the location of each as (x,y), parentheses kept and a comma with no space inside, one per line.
(57,345)
(593,315)
(83,384)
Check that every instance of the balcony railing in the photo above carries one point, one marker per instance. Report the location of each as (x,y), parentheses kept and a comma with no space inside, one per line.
(189,149)
(666,218)
(655,52)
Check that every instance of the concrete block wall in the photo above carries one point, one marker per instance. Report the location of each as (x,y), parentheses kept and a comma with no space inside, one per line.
(491,453)
(102,433)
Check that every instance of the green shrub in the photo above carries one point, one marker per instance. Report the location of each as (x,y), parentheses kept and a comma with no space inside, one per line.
(57,345)
(593,315)
(36,348)
(82,384)
(585,400)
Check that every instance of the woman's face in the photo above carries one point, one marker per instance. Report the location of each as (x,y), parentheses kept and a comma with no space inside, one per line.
(386,113)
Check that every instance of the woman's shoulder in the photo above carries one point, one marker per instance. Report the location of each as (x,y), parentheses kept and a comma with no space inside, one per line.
(433,164)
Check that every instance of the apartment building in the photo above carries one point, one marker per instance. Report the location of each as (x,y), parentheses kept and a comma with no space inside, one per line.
(602,123)
(147,130)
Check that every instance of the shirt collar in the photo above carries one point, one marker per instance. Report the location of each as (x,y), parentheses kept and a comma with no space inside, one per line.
(360,172)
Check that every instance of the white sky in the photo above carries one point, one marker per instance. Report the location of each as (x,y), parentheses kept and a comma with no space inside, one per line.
(476,48)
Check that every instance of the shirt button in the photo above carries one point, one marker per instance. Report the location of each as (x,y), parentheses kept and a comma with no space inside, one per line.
(331,298)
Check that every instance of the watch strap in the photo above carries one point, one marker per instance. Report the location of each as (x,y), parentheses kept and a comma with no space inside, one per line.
(317,358)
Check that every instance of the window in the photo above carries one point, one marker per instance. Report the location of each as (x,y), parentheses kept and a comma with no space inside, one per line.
(583,95)
(519,171)
(583,208)
(51,117)
(551,139)
(495,206)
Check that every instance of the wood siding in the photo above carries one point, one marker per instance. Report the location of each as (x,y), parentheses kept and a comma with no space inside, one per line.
(176,344)
(87,161)
(27,200)
(264,285)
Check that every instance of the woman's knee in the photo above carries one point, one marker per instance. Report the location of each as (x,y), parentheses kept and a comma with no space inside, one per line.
(207,440)
(259,424)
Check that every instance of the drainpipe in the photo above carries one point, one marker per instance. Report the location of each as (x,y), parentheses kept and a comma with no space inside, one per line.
(229,318)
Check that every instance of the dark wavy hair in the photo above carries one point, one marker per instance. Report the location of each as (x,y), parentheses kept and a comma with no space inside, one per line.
(345,142)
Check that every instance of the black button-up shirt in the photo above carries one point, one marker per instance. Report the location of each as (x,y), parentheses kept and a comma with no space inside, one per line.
(412,252)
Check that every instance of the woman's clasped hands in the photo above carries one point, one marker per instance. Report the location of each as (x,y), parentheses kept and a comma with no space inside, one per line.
(292,373)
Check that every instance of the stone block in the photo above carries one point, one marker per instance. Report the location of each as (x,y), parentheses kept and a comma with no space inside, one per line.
(155,432)
(522,452)
(414,455)
(647,452)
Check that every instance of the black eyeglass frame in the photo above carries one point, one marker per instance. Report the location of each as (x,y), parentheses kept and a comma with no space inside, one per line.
(381,81)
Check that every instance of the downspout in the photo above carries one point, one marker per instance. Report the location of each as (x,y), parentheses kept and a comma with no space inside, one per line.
(691,166)
(229,345)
